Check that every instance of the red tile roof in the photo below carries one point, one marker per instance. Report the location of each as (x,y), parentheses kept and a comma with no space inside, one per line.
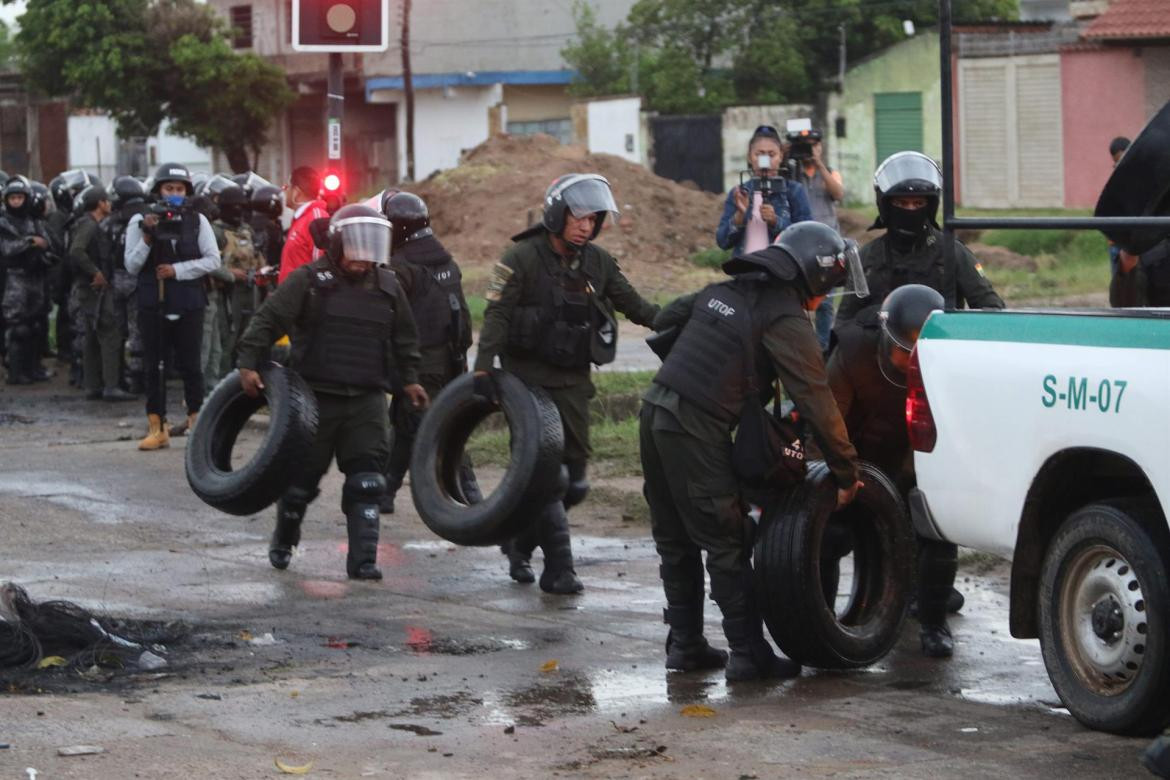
(1130,19)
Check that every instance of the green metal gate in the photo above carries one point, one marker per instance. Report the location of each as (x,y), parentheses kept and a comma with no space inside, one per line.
(897,123)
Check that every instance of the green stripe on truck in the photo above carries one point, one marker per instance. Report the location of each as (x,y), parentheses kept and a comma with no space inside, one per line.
(1084,330)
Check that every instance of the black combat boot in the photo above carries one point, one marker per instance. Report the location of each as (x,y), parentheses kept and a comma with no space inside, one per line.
(687,649)
(17,363)
(751,657)
(360,497)
(290,512)
(553,533)
(937,564)
(519,551)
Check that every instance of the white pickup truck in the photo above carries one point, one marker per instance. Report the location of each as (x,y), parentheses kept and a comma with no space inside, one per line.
(1044,437)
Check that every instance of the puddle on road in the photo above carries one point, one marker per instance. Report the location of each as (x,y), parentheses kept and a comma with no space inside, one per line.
(422,642)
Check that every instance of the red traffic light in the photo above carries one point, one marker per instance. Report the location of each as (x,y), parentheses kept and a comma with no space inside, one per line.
(332,182)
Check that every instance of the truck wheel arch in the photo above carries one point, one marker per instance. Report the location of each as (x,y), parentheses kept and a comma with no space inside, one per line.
(1068,480)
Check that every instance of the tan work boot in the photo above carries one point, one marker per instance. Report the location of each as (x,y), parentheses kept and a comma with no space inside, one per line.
(158,437)
(183,428)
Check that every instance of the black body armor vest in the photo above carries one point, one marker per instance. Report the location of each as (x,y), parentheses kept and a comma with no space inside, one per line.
(347,334)
(556,327)
(436,295)
(708,365)
(175,241)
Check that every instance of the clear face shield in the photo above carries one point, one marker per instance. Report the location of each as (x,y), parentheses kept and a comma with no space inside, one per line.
(893,355)
(589,195)
(908,167)
(217,184)
(855,282)
(365,239)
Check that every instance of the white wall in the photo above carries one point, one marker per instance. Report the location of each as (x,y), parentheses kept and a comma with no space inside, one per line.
(615,127)
(446,122)
(92,138)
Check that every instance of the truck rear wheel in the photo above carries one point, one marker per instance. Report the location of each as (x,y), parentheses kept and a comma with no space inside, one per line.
(848,621)
(1103,604)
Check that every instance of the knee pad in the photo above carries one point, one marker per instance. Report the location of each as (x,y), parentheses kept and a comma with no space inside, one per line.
(369,485)
(300,495)
(577,486)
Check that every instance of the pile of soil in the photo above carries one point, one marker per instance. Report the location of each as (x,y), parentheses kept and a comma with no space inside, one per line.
(496,192)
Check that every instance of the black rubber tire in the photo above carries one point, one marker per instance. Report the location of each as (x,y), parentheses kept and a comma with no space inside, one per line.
(292,426)
(788,571)
(1139,705)
(531,481)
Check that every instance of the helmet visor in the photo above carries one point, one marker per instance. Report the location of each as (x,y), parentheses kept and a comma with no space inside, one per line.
(855,282)
(893,358)
(254,182)
(908,171)
(589,196)
(75,180)
(366,239)
(217,184)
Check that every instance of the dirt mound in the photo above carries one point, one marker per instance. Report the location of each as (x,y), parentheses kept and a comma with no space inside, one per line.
(496,191)
(1001,257)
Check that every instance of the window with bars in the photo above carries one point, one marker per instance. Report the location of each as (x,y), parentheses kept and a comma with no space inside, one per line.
(560,129)
(241,21)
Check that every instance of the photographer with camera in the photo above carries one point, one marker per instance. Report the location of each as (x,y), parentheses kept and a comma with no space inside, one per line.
(825,190)
(756,211)
(171,248)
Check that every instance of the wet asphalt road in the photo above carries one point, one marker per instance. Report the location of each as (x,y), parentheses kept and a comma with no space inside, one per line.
(444,669)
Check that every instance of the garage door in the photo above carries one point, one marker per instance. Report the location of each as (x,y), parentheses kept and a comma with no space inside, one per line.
(897,123)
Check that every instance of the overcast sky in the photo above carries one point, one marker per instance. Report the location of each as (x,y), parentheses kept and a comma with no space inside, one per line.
(9,12)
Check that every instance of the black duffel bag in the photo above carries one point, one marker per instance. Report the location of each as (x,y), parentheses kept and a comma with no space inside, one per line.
(531,481)
(292,426)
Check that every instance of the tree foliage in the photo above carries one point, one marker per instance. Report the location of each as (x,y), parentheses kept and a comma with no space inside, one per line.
(143,61)
(695,56)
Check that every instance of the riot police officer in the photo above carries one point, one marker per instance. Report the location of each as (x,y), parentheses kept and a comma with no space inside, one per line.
(549,316)
(434,287)
(127,199)
(64,188)
(266,206)
(243,259)
(353,340)
(907,187)
(736,337)
(867,372)
(25,253)
(171,249)
(97,335)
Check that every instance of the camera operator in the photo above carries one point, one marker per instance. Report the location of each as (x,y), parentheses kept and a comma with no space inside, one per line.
(825,190)
(757,211)
(171,248)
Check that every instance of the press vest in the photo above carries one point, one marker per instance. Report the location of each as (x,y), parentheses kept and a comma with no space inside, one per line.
(708,365)
(556,326)
(347,334)
(436,294)
(824,208)
(175,241)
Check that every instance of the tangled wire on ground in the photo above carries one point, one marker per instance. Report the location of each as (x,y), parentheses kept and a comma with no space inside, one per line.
(31,632)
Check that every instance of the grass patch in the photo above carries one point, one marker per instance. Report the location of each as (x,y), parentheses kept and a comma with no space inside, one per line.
(628,503)
(711,258)
(476,304)
(978,562)
(615,446)
(1068,262)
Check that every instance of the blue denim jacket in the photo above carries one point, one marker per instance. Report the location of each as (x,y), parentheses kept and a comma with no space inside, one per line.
(791,206)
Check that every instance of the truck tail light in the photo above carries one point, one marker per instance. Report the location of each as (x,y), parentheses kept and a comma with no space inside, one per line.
(919,420)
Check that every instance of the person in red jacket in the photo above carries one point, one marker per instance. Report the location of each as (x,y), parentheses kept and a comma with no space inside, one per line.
(301,195)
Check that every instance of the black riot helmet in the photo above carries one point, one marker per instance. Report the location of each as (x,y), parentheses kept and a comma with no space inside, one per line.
(359,233)
(580,193)
(18,185)
(171,172)
(65,186)
(42,200)
(266,200)
(907,175)
(408,214)
(902,315)
(233,204)
(127,191)
(828,263)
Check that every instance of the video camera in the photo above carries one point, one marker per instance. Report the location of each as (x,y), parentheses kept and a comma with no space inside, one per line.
(169,217)
(801,137)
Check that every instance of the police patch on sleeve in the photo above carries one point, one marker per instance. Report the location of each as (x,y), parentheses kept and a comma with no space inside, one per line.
(501,275)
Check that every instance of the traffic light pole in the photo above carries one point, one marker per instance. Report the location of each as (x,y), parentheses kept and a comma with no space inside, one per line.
(334,111)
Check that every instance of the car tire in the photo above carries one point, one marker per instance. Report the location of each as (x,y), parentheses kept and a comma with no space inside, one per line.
(1104,606)
(292,426)
(531,481)
(788,570)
